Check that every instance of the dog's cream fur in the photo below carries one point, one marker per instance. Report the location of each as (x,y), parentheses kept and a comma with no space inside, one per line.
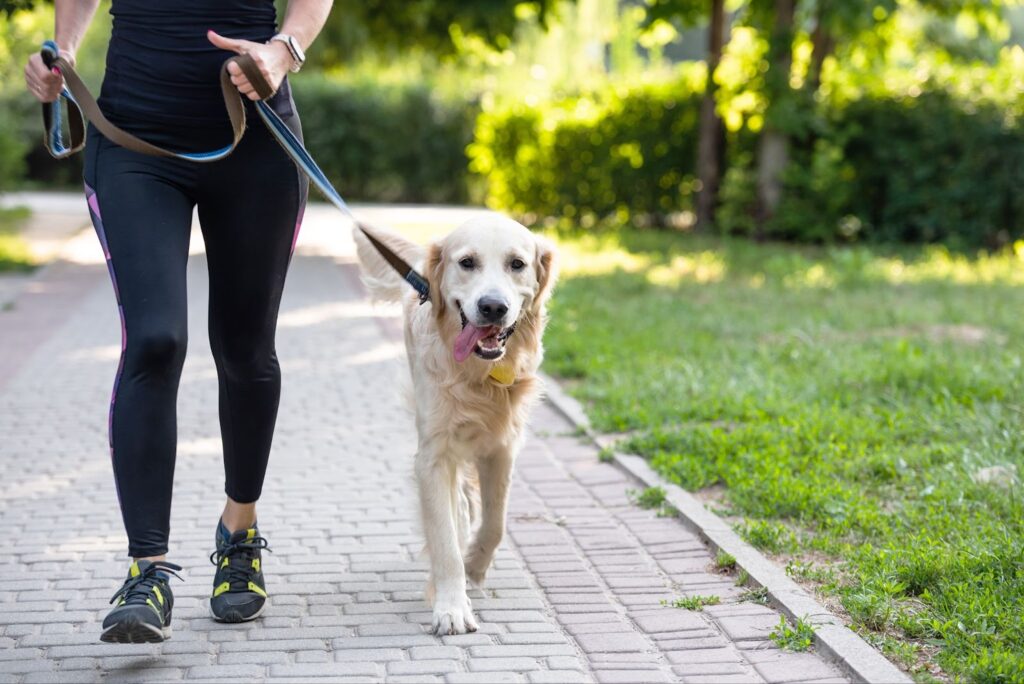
(470,427)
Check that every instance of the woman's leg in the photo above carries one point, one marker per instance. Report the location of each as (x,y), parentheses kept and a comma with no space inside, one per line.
(143,218)
(250,210)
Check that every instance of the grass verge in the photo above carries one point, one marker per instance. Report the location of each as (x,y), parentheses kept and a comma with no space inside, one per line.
(856,412)
(14,251)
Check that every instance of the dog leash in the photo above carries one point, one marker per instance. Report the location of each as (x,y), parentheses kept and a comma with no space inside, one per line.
(81,105)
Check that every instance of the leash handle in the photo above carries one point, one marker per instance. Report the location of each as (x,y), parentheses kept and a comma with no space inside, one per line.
(82,105)
(53,133)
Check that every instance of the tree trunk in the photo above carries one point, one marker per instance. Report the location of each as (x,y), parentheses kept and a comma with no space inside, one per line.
(822,45)
(773,152)
(711,138)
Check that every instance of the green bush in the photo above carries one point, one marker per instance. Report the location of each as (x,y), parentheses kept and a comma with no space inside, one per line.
(387,143)
(929,169)
(12,149)
(625,150)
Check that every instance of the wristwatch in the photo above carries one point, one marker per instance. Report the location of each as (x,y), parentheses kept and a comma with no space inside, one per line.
(298,56)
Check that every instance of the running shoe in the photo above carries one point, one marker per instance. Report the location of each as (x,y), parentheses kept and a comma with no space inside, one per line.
(239,593)
(144,602)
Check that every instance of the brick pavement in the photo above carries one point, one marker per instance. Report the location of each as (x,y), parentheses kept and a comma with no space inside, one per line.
(575,594)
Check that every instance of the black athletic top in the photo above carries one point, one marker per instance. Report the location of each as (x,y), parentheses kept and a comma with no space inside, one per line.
(162,77)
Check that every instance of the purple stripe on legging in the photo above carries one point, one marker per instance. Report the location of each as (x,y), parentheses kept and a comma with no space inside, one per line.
(97,222)
(298,225)
(298,218)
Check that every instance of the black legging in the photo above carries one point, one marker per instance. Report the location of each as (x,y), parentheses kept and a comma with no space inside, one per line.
(250,206)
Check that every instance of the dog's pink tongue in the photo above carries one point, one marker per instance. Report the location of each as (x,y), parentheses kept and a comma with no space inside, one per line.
(467,340)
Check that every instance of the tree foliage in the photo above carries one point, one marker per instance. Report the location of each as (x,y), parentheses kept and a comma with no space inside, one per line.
(9,7)
(431,25)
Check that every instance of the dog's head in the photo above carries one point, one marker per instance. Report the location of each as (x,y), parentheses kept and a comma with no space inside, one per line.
(489,276)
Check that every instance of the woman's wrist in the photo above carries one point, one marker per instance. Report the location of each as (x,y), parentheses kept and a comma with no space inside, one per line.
(68,55)
(283,55)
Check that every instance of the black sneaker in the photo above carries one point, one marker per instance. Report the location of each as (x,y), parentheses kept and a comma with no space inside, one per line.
(144,603)
(239,593)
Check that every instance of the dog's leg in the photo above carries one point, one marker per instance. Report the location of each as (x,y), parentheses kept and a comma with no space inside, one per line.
(495,474)
(438,486)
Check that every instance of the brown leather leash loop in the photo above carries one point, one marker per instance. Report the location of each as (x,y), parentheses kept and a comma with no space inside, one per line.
(87,105)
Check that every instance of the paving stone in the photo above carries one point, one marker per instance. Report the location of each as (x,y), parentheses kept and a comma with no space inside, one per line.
(352,669)
(670,621)
(486,677)
(256,658)
(630,677)
(748,678)
(556,677)
(610,642)
(748,626)
(711,669)
(371,655)
(534,650)
(216,672)
(704,655)
(509,664)
(532,638)
(435,652)
(791,667)
(564,663)
(422,667)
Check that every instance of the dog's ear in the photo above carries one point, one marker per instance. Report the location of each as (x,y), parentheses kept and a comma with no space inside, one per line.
(435,274)
(547,270)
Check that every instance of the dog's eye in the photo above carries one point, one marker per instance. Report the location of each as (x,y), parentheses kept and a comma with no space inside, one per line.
(467,263)
(517,264)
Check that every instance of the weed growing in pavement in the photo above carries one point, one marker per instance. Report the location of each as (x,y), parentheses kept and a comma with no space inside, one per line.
(792,638)
(693,602)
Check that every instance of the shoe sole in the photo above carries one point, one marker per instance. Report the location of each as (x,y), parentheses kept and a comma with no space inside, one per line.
(235,617)
(132,631)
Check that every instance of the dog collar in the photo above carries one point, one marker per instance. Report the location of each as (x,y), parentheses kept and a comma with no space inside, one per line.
(503,374)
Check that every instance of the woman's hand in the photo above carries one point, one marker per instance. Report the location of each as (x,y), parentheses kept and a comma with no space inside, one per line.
(45,83)
(273,60)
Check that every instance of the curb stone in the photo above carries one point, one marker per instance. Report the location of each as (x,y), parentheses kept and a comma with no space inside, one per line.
(834,640)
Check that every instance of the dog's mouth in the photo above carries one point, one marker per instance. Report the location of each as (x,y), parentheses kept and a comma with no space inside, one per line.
(487,342)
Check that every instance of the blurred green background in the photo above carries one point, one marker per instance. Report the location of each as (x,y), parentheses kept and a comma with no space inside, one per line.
(824,121)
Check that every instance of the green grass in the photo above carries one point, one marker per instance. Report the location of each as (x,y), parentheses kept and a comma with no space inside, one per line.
(792,638)
(726,562)
(14,251)
(693,602)
(847,400)
(652,497)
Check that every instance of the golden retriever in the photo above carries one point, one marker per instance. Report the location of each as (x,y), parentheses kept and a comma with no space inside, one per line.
(474,348)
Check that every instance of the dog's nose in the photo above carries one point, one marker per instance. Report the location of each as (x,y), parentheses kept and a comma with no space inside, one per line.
(492,309)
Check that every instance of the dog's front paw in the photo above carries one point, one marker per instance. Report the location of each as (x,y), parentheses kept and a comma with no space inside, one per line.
(453,616)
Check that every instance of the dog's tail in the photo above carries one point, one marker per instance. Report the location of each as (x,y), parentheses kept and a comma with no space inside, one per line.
(380,278)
